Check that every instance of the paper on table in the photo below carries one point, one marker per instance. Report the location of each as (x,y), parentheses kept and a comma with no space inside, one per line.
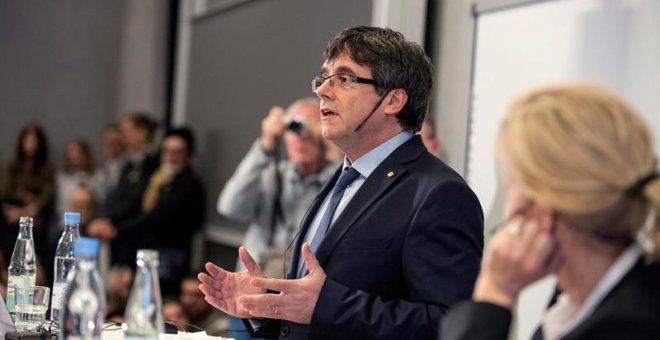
(5,320)
(119,335)
(190,336)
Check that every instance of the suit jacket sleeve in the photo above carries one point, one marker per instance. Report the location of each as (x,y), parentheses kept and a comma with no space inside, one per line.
(476,320)
(263,328)
(440,259)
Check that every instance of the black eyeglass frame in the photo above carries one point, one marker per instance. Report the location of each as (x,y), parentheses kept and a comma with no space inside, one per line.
(320,80)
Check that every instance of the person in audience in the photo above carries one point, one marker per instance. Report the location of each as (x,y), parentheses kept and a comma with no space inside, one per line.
(28,188)
(274,200)
(174,314)
(429,136)
(124,203)
(400,237)
(113,149)
(78,168)
(272,195)
(583,203)
(172,211)
(200,314)
(120,280)
(81,200)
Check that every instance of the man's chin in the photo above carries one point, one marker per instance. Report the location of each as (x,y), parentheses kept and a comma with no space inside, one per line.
(328,134)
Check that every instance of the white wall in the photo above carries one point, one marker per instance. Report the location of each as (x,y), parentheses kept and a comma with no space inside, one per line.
(610,42)
(405,16)
(452,75)
(76,66)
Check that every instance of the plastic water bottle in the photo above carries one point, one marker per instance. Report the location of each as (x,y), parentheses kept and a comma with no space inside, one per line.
(83,311)
(22,267)
(65,260)
(144,316)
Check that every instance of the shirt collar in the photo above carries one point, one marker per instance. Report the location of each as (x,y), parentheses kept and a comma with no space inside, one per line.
(366,164)
(562,318)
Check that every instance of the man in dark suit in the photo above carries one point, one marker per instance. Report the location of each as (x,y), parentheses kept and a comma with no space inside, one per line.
(124,202)
(394,238)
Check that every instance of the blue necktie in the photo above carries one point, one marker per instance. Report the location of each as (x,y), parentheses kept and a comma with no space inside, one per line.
(347,176)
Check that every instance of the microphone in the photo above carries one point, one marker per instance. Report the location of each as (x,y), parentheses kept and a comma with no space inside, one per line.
(380,101)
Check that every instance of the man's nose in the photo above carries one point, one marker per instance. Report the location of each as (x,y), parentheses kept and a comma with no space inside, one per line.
(325,90)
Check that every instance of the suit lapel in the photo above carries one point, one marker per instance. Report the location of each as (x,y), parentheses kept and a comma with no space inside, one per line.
(381,179)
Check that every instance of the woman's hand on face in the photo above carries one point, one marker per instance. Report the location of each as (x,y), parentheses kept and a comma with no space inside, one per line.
(518,255)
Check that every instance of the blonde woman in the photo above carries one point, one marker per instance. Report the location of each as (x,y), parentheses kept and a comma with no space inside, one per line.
(583,203)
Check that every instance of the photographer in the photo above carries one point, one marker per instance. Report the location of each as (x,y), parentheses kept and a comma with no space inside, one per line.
(274,199)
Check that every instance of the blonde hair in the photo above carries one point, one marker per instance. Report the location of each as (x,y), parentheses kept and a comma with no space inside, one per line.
(579,149)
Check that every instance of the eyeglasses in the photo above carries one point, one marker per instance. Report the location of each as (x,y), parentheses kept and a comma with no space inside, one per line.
(345,81)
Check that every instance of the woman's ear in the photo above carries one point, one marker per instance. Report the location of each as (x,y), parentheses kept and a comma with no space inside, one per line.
(547,218)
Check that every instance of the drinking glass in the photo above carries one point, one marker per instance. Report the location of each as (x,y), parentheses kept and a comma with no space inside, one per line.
(31,307)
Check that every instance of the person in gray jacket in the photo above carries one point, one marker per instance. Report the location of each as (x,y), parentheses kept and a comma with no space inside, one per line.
(274,200)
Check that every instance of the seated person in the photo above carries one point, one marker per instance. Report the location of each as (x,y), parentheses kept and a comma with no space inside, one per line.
(583,203)
(82,200)
(200,314)
(174,314)
(120,280)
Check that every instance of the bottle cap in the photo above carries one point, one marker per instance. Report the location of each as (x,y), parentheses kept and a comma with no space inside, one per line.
(147,255)
(71,217)
(86,246)
(26,221)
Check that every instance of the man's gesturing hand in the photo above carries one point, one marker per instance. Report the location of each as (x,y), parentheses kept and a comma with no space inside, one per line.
(222,289)
(297,298)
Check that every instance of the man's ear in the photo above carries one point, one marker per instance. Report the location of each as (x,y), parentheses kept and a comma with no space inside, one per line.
(395,101)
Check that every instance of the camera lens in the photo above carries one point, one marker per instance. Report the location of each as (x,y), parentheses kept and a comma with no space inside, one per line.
(296,126)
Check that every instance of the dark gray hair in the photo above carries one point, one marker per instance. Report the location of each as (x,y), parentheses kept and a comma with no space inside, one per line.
(394,62)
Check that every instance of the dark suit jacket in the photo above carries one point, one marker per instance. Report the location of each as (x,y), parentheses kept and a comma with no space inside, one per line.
(169,228)
(407,246)
(125,200)
(630,311)
(124,203)
(176,215)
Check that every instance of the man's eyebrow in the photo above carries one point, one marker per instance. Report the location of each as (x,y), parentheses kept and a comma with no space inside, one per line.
(344,69)
(339,69)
